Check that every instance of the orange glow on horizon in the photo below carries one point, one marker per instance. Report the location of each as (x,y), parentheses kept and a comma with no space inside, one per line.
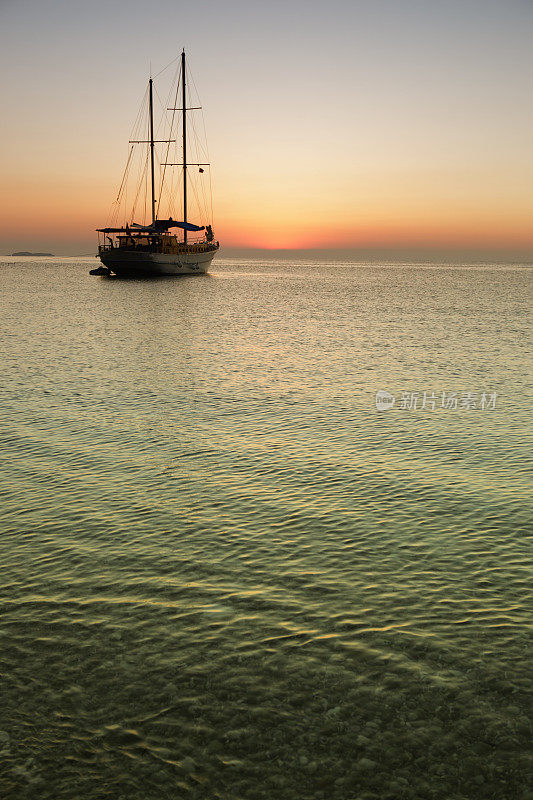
(411,233)
(69,211)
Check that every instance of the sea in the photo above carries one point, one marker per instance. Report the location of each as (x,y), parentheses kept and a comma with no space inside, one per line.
(265,532)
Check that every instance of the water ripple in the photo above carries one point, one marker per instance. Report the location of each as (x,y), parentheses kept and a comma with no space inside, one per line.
(225,574)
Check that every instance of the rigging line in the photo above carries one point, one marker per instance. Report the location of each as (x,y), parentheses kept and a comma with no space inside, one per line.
(145,198)
(141,113)
(146,175)
(203,146)
(201,141)
(174,107)
(112,216)
(142,188)
(203,118)
(123,214)
(126,169)
(136,180)
(194,143)
(203,205)
(198,204)
(165,106)
(175,197)
(201,153)
(179,195)
(117,201)
(167,66)
(204,199)
(114,211)
(143,179)
(125,173)
(176,194)
(170,196)
(211,196)
(141,122)
(163,125)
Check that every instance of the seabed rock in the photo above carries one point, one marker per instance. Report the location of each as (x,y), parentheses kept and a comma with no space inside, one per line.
(188,764)
(366,764)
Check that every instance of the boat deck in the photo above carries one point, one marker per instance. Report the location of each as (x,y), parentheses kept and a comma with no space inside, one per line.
(158,245)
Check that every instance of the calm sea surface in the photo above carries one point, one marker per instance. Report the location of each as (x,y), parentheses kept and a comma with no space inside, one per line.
(225,573)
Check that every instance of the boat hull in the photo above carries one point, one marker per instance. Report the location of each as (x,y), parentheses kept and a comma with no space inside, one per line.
(129,264)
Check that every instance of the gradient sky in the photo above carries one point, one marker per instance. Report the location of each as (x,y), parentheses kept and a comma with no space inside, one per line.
(384,123)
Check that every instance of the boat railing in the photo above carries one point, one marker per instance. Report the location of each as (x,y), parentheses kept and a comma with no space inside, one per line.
(164,246)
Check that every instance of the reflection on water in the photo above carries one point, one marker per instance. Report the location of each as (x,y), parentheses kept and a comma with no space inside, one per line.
(224,572)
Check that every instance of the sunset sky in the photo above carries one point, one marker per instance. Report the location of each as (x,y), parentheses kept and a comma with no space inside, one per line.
(340,124)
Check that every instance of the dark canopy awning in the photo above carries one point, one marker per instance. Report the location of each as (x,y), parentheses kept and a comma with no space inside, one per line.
(156,227)
(165,224)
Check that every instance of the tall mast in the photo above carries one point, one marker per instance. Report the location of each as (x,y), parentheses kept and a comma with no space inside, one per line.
(184,104)
(152,151)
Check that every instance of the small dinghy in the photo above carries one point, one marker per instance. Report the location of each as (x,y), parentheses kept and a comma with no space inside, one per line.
(100,271)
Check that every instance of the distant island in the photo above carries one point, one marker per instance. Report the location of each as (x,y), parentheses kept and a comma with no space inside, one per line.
(24,253)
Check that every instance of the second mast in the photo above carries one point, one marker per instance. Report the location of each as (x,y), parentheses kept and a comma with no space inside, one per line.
(184,106)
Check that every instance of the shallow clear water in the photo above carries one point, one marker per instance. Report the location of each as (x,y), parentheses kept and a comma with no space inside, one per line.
(225,573)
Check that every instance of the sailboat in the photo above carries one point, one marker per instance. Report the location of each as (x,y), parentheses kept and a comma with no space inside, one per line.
(160,246)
